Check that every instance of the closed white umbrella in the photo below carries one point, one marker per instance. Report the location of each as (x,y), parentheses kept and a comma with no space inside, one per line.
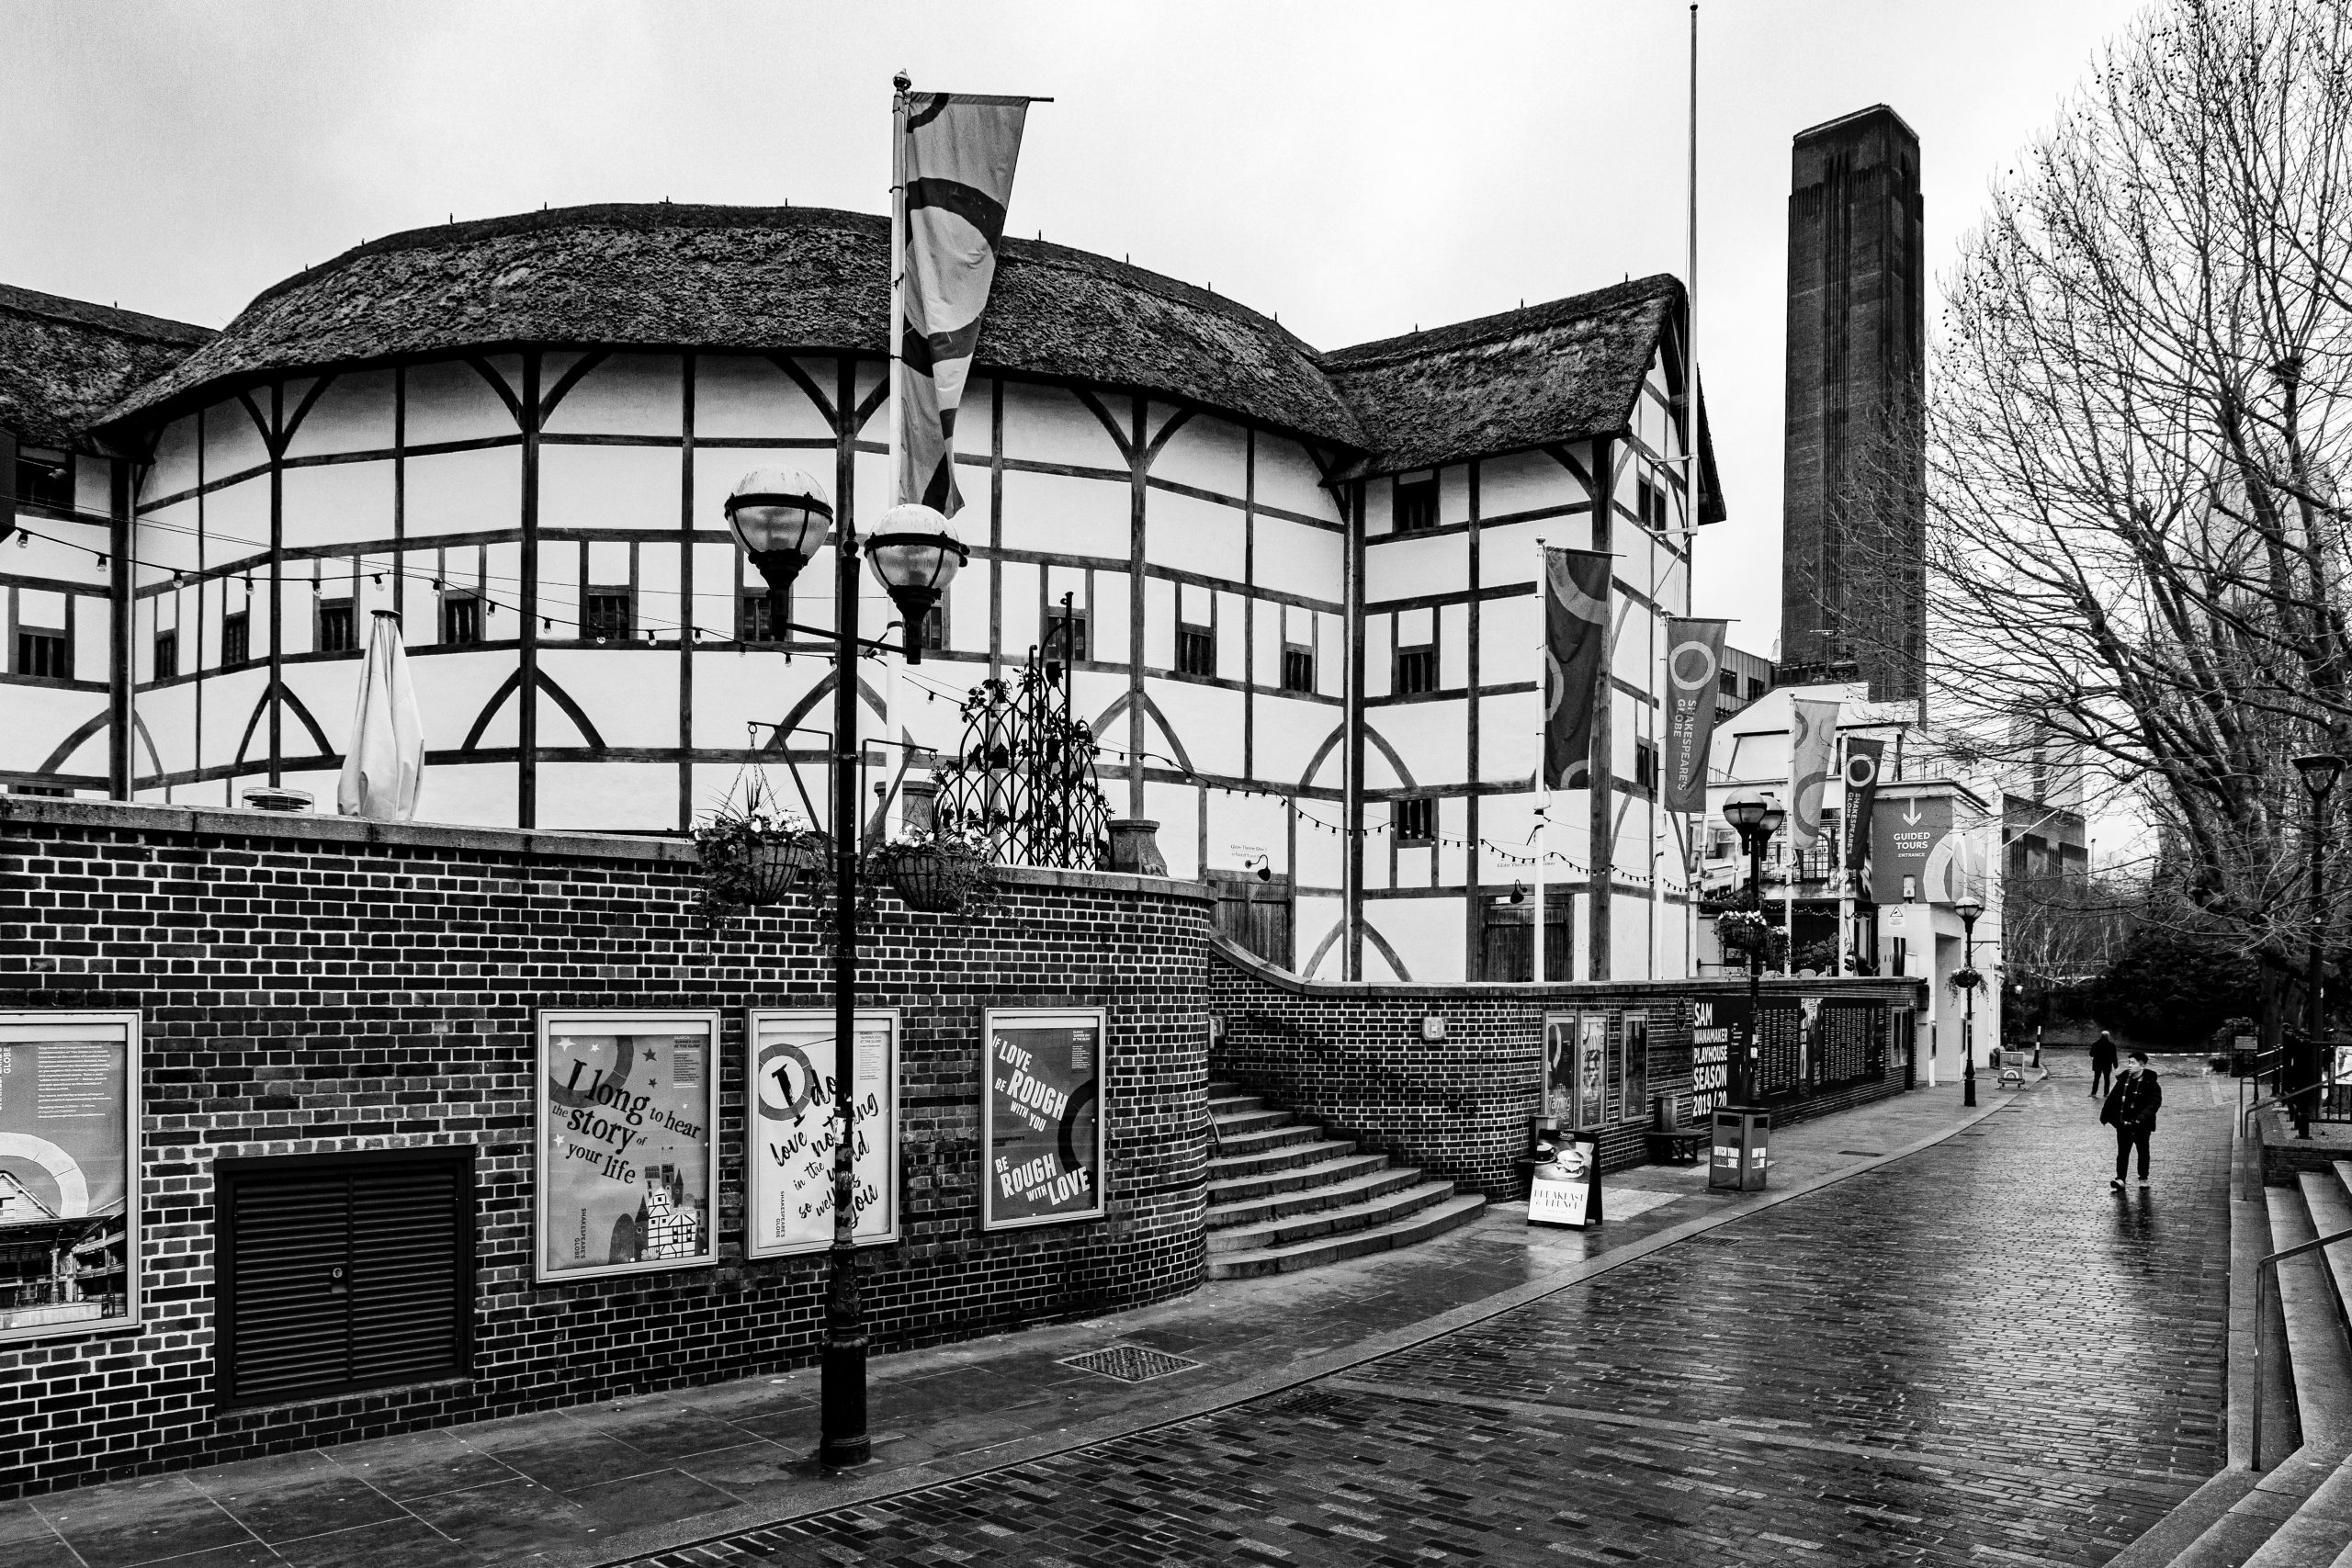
(384,763)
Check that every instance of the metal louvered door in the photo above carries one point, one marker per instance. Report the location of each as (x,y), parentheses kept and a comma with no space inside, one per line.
(338,1273)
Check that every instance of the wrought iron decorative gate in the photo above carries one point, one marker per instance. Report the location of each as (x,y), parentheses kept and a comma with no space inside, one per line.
(1025,779)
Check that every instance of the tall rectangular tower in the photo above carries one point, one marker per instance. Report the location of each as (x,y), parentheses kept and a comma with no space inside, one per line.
(1853,570)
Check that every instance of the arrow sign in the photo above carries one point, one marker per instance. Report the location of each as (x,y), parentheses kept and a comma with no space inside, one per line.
(1911,813)
(1903,834)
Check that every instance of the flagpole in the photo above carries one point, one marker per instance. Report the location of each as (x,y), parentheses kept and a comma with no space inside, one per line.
(895,328)
(1796,858)
(1845,856)
(1691,299)
(1543,790)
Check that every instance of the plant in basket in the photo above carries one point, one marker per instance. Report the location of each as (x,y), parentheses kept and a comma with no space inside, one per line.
(1746,930)
(756,853)
(937,869)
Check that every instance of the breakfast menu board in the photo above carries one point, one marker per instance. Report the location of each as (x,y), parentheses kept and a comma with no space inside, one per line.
(791,1140)
(1042,1116)
(628,1101)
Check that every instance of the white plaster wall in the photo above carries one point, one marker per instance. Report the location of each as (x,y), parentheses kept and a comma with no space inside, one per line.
(354,414)
(1409,565)
(1207,453)
(746,398)
(448,400)
(1288,478)
(1528,481)
(1432,737)
(1195,535)
(232,442)
(625,394)
(620,487)
(339,503)
(1056,513)
(1293,559)
(1047,425)
(174,471)
(1426,934)
(457,492)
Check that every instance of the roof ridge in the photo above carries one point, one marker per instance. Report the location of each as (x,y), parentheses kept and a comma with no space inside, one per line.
(111,318)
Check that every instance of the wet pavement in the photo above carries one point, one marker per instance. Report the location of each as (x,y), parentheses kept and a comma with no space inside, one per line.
(1974,1347)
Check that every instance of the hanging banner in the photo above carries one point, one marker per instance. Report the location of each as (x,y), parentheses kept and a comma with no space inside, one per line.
(627,1103)
(791,1144)
(1862,760)
(1575,648)
(69,1142)
(1813,735)
(1564,1187)
(956,153)
(1694,660)
(1041,1117)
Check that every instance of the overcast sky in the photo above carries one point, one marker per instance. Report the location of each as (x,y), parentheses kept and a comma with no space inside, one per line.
(1359,169)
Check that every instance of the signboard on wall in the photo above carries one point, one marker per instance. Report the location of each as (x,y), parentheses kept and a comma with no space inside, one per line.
(627,1103)
(1633,1067)
(69,1143)
(1904,833)
(790,1145)
(1718,1028)
(1041,1116)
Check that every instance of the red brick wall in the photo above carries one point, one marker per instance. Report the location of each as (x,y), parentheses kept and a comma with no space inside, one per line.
(1353,1056)
(316,985)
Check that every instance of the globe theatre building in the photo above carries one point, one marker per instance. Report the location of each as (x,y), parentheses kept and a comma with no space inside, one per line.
(1299,586)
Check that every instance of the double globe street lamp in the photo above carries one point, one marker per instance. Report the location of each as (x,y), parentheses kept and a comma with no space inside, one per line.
(1755,819)
(2319,771)
(1969,907)
(781,518)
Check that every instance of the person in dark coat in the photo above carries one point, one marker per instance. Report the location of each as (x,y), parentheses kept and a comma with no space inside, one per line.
(2102,1064)
(2131,1109)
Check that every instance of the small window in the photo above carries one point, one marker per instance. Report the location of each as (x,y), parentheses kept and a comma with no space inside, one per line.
(236,638)
(753,623)
(168,656)
(45,478)
(45,654)
(460,619)
(1195,651)
(1415,820)
(1416,505)
(1299,668)
(338,627)
(1755,688)
(935,628)
(1065,636)
(1649,504)
(1416,669)
(1727,682)
(1719,845)
(56,790)
(610,614)
(1645,766)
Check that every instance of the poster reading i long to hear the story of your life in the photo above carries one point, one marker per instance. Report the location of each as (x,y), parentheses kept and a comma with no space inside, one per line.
(1042,1117)
(626,1104)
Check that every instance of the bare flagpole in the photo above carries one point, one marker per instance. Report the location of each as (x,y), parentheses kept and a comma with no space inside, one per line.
(1688,830)
(1543,721)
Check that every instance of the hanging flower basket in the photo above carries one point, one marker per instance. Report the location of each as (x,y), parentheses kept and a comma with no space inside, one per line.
(754,856)
(772,869)
(933,870)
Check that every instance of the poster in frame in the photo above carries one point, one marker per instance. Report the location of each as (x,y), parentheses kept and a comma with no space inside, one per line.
(1040,1115)
(68,1173)
(1592,1070)
(625,1157)
(788,1153)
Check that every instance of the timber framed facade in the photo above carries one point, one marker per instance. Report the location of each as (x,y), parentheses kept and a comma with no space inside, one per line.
(1307,580)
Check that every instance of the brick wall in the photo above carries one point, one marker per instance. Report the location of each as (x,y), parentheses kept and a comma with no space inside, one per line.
(1353,1056)
(318,985)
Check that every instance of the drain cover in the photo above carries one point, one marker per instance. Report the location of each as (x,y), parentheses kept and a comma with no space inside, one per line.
(1873,1152)
(1129,1363)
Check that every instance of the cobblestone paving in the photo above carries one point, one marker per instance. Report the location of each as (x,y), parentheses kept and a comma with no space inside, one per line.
(1976,1355)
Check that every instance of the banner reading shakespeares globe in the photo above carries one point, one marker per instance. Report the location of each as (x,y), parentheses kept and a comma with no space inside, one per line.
(1694,657)
(1862,760)
(1813,735)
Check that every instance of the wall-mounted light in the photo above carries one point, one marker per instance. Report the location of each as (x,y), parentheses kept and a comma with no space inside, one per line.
(1517,892)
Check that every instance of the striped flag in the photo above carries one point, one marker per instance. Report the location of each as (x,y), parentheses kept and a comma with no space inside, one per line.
(1576,646)
(955,160)
(1694,658)
(1813,735)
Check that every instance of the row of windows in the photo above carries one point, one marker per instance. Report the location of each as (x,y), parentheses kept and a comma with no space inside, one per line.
(1727,682)
(1416,504)
(1414,821)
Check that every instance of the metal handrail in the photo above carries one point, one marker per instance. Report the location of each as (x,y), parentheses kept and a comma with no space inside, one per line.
(2271,1263)
(2288,1098)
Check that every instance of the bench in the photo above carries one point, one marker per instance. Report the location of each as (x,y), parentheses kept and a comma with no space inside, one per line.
(1670,1140)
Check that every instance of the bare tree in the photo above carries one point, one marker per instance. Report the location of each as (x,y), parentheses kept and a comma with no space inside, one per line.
(2137,443)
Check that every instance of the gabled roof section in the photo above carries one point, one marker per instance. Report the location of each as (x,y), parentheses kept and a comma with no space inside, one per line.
(1562,371)
(749,279)
(65,362)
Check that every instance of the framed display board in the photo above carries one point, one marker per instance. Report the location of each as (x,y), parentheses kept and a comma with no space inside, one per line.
(1041,1116)
(626,1106)
(68,1173)
(1633,1068)
(1576,1068)
(790,1142)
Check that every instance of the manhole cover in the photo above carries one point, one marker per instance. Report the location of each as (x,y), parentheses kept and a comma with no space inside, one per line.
(1129,1363)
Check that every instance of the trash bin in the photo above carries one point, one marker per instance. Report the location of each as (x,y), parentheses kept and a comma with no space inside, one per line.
(1741,1153)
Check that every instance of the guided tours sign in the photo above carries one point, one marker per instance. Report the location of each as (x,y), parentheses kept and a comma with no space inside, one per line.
(1041,1117)
(1904,833)
(625,1106)
(791,1144)
(69,1118)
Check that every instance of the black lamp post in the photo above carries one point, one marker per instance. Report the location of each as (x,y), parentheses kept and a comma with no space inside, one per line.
(779,517)
(1755,819)
(2320,770)
(1969,907)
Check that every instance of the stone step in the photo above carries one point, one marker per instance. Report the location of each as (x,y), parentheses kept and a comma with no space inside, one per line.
(1296,1179)
(1368,1176)
(1229,1124)
(1366,1214)
(1264,1138)
(1435,1220)
(1289,1156)
(1231,1104)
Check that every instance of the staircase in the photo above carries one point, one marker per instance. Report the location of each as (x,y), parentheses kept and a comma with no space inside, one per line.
(1284,1197)
(2288,1506)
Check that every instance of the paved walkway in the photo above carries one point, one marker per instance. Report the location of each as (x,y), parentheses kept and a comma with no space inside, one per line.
(1709,1391)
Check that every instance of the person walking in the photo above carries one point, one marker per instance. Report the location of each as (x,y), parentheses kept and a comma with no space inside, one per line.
(2102,1064)
(2131,1109)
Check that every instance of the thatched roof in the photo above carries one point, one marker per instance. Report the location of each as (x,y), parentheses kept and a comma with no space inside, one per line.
(63,363)
(1562,371)
(769,279)
(757,279)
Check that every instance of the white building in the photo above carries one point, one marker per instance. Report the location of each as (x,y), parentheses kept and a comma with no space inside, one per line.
(1303,581)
